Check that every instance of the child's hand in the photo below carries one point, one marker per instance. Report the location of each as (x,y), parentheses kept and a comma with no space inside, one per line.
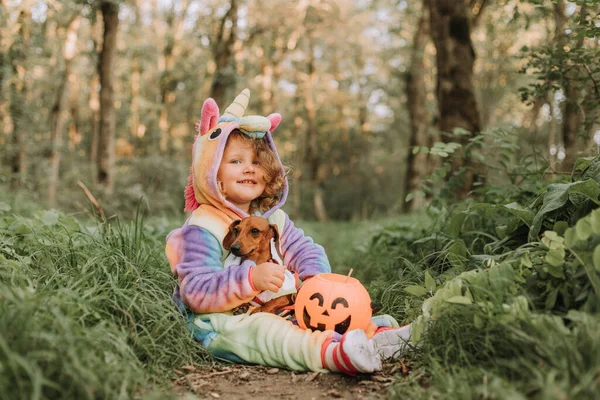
(268,276)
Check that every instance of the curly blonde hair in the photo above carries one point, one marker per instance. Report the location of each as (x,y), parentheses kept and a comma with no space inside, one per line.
(274,176)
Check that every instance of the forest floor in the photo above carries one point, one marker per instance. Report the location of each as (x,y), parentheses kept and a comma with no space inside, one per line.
(243,382)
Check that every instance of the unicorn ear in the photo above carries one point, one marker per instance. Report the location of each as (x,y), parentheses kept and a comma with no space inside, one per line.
(275,120)
(210,116)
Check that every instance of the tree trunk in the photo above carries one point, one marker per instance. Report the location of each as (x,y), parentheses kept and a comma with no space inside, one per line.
(94,104)
(312,151)
(572,112)
(18,97)
(532,139)
(167,83)
(74,108)
(5,37)
(59,111)
(554,138)
(94,99)
(451,34)
(295,189)
(134,117)
(417,164)
(106,143)
(224,76)
(571,124)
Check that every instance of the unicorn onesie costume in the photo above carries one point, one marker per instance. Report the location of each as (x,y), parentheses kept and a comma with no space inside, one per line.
(212,285)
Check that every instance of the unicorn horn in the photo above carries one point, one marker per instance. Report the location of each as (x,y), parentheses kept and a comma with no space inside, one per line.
(237,108)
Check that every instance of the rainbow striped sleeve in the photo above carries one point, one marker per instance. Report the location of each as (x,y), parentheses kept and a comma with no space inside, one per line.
(204,286)
(301,253)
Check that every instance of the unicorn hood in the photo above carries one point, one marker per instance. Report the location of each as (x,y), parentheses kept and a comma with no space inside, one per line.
(207,152)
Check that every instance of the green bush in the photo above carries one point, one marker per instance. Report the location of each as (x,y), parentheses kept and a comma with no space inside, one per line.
(504,296)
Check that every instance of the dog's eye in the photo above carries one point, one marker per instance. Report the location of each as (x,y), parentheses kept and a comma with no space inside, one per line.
(235,231)
(255,231)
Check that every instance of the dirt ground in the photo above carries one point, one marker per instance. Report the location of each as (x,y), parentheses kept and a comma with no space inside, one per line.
(247,382)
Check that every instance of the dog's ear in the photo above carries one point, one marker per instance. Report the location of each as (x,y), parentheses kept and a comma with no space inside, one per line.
(275,232)
(230,237)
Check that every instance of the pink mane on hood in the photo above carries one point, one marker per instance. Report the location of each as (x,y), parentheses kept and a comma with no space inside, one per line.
(190,198)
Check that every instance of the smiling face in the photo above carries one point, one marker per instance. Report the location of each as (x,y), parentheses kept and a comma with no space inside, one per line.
(240,174)
(333,302)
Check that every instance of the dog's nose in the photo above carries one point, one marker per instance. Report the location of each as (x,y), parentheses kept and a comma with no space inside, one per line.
(235,249)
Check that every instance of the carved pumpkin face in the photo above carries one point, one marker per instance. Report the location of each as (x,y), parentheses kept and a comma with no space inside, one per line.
(333,302)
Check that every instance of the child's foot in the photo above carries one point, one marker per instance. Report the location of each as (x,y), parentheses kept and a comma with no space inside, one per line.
(390,343)
(353,354)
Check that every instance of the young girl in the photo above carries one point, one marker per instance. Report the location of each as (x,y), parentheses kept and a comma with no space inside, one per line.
(236,172)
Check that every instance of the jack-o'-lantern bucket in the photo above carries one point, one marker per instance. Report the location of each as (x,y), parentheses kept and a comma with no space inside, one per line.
(333,302)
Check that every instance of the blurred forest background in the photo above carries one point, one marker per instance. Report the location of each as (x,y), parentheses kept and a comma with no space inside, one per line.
(107,92)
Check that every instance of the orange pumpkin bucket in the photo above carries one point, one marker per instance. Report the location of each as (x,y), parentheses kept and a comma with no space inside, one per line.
(333,302)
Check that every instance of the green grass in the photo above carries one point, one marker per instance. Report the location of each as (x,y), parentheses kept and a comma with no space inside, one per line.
(85,314)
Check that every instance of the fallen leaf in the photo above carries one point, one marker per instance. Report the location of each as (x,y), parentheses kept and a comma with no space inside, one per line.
(311,377)
(378,378)
(367,383)
(295,378)
(245,375)
(222,372)
(402,367)
(215,395)
(334,393)
(273,371)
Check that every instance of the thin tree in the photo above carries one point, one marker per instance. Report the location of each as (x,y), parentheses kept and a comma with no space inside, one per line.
(5,38)
(222,50)
(173,38)
(58,116)
(417,164)
(572,112)
(94,97)
(19,90)
(106,143)
(312,158)
(134,117)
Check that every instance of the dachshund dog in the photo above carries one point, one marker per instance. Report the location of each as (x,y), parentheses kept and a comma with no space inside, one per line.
(250,239)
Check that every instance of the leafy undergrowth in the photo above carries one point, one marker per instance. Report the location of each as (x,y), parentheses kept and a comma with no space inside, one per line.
(86,313)
(503,294)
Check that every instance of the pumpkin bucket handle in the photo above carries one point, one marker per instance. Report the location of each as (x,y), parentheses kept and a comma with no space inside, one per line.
(349,273)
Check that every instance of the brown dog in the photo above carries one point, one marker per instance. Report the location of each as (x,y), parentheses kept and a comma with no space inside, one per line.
(250,239)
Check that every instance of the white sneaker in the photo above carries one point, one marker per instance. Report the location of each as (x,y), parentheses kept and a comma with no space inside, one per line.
(391,343)
(360,351)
